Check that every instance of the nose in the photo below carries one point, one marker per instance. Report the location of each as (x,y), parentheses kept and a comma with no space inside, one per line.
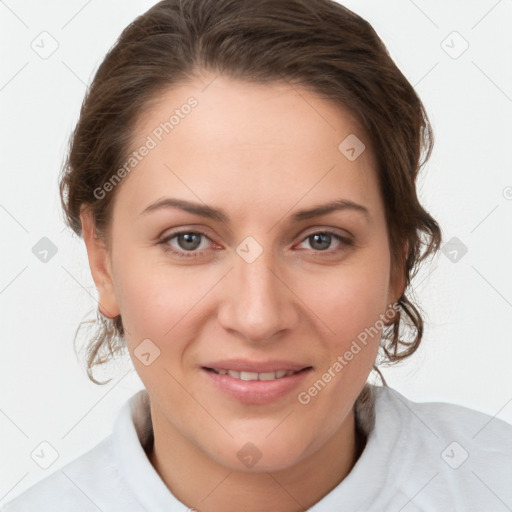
(258,303)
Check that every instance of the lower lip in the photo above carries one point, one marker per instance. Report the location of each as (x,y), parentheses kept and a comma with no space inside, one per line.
(256,391)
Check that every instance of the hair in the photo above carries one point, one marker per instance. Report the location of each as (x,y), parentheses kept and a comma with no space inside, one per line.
(318,45)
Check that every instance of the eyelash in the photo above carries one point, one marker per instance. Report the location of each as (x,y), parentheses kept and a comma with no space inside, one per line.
(345,243)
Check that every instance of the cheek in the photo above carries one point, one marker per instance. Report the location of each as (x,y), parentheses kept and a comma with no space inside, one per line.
(353,296)
(151,298)
(162,303)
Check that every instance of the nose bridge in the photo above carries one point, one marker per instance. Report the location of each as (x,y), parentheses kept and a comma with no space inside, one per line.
(257,304)
(256,277)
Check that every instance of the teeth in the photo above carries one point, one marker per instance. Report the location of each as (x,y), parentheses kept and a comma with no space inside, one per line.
(255,376)
(248,376)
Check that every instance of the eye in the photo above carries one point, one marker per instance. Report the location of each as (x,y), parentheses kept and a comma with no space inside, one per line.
(321,241)
(193,244)
(184,242)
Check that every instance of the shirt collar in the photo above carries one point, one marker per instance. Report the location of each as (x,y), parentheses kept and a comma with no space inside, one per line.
(133,437)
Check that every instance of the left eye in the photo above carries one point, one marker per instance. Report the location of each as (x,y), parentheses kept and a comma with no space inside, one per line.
(322,240)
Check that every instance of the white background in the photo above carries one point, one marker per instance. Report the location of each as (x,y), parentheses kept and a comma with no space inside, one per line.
(466,353)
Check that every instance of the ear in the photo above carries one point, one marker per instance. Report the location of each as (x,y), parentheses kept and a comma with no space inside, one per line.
(397,278)
(100,265)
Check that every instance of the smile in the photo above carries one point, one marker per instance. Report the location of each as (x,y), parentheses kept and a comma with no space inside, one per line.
(246,375)
(248,386)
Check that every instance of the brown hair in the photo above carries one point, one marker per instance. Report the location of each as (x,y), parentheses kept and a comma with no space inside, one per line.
(316,44)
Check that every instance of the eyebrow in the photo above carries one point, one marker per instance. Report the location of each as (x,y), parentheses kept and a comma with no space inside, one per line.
(219,214)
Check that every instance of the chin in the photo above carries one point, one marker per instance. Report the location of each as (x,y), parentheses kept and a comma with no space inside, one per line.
(260,455)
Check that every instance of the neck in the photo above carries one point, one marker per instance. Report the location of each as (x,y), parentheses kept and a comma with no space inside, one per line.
(206,486)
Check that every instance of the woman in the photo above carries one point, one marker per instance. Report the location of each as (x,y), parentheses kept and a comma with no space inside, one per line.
(243,175)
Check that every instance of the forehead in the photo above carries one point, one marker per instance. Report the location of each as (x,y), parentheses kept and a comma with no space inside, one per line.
(217,138)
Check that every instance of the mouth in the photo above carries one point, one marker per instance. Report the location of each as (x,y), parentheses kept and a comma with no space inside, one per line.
(254,383)
(248,376)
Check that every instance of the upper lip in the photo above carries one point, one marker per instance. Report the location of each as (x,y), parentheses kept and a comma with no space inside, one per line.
(247,365)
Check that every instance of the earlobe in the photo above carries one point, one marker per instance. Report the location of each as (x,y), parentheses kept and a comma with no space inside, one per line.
(397,283)
(99,263)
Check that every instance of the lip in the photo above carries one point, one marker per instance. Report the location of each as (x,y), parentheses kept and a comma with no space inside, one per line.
(247,365)
(256,392)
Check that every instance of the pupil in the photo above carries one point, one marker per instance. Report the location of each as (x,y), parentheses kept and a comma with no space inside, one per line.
(318,238)
(189,242)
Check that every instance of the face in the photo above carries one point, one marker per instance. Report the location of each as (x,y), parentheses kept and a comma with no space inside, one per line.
(224,259)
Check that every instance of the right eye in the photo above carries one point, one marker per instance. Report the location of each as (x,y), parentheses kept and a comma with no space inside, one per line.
(184,242)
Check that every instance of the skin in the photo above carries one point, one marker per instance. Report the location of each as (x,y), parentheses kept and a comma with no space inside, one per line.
(261,153)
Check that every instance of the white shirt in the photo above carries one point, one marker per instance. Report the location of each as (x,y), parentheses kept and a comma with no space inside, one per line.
(418,457)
